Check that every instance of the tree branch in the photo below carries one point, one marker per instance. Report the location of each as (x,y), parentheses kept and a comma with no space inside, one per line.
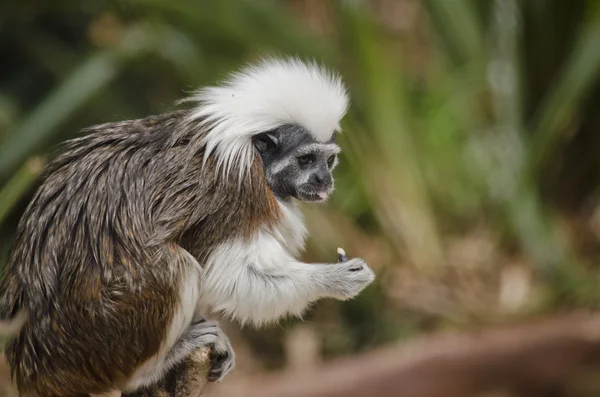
(533,359)
(188,379)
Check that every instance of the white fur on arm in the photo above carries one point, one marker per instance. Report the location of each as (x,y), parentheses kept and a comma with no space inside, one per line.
(258,282)
(261,282)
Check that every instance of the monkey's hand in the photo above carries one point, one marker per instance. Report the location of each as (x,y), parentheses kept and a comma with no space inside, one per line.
(207,333)
(349,278)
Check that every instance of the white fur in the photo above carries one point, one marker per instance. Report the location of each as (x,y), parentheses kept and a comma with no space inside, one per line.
(327,148)
(155,368)
(291,231)
(260,281)
(265,96)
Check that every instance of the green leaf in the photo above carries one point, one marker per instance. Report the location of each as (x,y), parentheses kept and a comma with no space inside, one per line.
(92,76)
(563,101)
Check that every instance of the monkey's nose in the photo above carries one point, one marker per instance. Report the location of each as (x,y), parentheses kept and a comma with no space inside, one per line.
(316,179)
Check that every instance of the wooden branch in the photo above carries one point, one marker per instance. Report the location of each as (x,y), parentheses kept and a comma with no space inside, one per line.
(527,359)
(188,379)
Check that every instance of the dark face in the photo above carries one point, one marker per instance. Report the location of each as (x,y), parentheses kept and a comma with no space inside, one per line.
(296,165)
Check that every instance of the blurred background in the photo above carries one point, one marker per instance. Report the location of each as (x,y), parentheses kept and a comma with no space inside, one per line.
(469,178)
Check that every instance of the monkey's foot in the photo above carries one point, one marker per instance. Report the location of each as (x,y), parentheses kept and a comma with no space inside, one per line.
(222,357)
(221,363)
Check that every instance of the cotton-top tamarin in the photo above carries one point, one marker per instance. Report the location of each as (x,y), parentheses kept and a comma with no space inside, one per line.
(143,230)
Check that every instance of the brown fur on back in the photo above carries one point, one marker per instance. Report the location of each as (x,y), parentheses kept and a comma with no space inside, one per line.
(97,261)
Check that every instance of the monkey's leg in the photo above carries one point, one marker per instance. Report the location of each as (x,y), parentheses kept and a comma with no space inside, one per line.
(186,379)
(203,333)
(182,336)
(202,353)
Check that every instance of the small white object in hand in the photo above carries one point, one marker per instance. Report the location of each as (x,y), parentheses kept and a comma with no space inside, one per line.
(342,257)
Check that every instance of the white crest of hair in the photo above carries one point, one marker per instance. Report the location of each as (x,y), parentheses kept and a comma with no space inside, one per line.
(263,97)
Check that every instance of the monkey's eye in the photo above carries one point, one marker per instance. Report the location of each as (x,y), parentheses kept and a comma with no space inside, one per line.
(306,159)
(264,142)
(331,160)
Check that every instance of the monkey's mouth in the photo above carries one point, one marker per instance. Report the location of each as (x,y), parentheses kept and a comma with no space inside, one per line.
(305,195)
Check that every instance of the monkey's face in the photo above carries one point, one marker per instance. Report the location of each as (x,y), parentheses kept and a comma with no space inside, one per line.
(296,165)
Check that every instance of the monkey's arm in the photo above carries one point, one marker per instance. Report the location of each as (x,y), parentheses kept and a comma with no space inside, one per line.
(262,283)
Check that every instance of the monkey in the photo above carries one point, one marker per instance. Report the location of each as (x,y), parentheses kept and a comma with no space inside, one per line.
(143,233)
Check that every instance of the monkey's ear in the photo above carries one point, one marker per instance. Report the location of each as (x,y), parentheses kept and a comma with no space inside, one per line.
(264,142)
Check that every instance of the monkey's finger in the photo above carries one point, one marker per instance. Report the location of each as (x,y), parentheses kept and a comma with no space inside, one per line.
(342,257)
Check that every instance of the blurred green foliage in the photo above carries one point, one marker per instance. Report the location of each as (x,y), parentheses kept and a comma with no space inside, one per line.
(465,114)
